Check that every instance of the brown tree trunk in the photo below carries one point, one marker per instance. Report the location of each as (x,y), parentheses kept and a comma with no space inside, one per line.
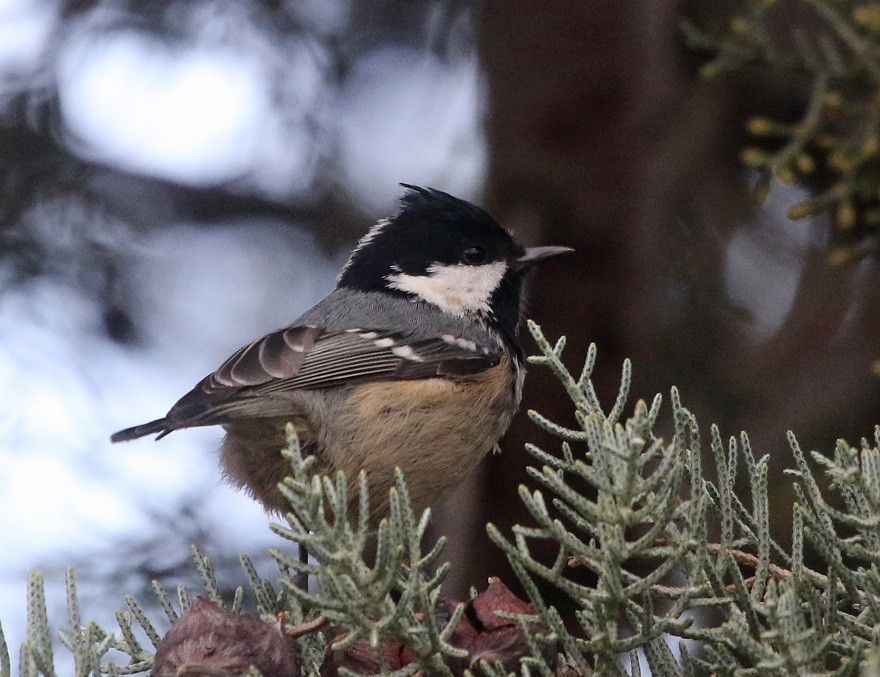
(601,139)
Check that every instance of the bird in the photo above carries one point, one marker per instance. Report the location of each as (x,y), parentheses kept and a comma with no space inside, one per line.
(413,361)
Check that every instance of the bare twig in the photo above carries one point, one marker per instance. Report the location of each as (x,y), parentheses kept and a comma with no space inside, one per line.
(776,572)
(304,628)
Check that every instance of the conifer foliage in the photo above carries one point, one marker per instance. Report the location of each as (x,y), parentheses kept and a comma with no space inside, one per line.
(688,579)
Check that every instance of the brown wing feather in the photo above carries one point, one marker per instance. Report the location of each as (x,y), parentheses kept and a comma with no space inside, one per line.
(303,357)
(278,355)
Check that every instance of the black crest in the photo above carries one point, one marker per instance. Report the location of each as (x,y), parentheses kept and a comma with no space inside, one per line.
(431,205)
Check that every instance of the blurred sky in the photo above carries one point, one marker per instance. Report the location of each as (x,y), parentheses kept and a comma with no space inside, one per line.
(202,94)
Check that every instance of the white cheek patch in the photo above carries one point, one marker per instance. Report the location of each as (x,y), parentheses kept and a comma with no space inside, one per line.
(455,289)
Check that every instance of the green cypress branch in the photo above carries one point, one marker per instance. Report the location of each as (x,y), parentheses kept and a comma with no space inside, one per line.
(641,528)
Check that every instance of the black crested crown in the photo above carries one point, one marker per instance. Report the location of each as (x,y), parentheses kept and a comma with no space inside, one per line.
(418,198)
(430,204)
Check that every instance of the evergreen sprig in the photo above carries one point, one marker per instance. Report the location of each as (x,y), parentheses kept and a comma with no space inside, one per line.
(615,500)
(630,516)
(390,601)
(642,528)
(96,651)
(833,149)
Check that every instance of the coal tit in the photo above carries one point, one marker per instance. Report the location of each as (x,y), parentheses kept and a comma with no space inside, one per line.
(413,361)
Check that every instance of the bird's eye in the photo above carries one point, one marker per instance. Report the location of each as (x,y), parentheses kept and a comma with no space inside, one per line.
(474,256)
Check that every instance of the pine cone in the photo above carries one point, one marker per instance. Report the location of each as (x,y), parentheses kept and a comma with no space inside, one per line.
(486,635)
(208,641)
(480,631)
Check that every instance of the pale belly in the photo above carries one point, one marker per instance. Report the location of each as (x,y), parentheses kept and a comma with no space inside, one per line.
(435,430)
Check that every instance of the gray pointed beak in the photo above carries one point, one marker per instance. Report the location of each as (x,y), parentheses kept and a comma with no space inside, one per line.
(534,255)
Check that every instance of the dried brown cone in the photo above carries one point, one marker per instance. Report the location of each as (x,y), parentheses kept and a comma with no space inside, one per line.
(362,659)
(487,636)
(481,632)
(208,641)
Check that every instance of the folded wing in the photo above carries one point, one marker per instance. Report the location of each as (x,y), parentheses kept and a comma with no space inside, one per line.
(306,357)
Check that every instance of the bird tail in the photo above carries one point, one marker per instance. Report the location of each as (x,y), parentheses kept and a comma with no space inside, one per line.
(160,425)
